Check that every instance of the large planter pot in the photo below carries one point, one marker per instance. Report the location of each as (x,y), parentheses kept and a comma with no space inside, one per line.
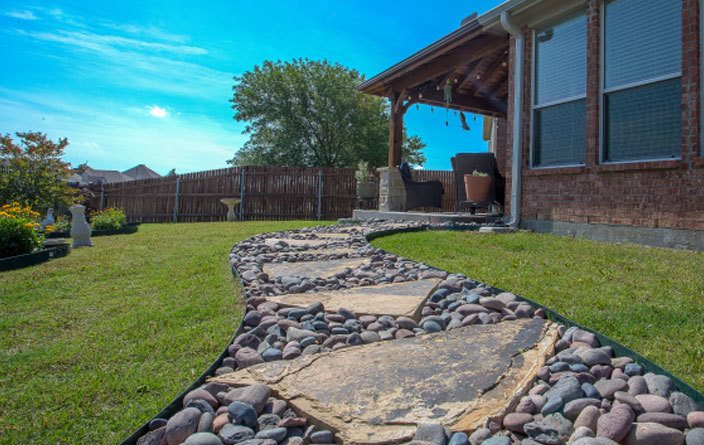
(477,188)
(366,190)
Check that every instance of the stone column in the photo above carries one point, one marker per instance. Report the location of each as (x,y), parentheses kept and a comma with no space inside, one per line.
(392,195)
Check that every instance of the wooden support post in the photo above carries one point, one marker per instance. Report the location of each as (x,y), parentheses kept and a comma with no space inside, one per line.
(320,195)
(242,190)
(102,196)
(176,193)
(396,129)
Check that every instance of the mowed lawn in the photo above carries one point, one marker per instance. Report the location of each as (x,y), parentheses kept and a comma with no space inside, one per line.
(649,299)
(94,344)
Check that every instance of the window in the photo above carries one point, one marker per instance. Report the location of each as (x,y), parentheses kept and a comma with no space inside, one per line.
(559,94)
(642,44)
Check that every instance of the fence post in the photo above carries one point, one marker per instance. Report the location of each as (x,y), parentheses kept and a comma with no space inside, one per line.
(178,189)
(102,196)
(320,194)
(242,190)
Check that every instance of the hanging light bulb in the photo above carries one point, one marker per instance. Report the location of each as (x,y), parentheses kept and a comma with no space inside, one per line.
(503,63)
(455,80)
(437,87)
(420,95)
(479,76)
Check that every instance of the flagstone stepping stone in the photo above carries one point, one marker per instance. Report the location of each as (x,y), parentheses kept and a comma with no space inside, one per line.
(329,251)
(397,299)
(379,393)
(319,242)
(312,269)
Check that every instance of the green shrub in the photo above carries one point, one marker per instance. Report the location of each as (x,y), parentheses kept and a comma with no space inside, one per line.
(18,230)
(108,219)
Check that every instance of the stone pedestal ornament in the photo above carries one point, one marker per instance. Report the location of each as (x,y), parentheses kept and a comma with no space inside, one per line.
(49,220)
(231,203)
(80,230)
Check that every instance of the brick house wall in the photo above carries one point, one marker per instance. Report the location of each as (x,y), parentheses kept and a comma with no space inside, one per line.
(664,194)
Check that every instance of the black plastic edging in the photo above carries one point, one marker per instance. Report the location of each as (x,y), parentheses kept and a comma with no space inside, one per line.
(34,258)
(619,349)
(124,230)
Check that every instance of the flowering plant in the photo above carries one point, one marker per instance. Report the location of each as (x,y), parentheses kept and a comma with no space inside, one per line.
(108,219)
(19,230)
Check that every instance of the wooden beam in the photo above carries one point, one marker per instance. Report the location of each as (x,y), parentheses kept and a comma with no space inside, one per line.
(464,102)
(474,50)
(480,86)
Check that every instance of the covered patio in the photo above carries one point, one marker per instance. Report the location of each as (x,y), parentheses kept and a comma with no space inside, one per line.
(467,71)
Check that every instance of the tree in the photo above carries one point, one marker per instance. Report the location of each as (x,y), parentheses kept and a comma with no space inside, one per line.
(171,173)
(33,173)
(309,113)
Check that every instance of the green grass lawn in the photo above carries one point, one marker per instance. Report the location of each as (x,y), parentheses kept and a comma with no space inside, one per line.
(649,299)
(94,344)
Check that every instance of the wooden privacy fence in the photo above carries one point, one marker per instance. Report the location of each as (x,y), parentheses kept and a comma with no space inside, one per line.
(267,193)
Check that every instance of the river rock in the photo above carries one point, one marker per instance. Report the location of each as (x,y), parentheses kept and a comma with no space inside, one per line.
(616,424)
(181,425)
(653,434)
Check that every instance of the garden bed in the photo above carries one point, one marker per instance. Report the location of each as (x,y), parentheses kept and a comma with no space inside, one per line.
(124,230)
(31,259)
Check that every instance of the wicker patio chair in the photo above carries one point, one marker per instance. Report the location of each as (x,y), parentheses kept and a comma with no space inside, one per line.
(420,194)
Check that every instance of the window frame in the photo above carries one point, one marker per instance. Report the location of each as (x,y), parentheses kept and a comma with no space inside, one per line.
(533,107)
(603,91)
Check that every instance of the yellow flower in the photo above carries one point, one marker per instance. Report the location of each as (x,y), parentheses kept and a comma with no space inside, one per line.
(48,228)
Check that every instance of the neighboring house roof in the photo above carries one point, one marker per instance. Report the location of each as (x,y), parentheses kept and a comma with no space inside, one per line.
(141,171)
(92,175)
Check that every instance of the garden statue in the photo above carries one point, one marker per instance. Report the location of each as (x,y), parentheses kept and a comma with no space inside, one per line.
(49,220)
(80,230)
(231,203)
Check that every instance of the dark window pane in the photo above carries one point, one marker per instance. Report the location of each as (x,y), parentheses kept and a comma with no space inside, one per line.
(559,134)
(643,122)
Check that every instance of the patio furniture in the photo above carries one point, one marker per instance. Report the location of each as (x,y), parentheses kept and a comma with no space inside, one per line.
(422,193)
(465,164)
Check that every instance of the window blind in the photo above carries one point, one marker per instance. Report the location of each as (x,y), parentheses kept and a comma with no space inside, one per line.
(642,40)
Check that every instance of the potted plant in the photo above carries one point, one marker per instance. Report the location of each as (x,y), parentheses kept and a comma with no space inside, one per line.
(366,183)
(477,186)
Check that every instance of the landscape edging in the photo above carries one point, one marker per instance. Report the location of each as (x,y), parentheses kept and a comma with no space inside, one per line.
(33,258)
(177,403)
(124,230)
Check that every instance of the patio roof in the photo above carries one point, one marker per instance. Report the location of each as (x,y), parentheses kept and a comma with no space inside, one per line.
(472,59)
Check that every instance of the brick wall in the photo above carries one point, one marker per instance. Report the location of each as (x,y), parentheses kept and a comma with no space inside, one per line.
(667,194)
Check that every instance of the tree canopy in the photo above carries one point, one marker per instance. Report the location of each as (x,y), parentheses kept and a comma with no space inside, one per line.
(309,113)
(33,173)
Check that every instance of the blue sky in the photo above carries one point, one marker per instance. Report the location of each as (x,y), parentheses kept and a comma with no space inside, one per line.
(133,82)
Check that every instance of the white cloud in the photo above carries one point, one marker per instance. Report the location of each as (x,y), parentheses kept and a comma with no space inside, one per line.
(102,42)
(22,15)
(157,111)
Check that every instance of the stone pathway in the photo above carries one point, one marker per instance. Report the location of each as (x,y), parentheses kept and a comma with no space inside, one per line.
(345,343)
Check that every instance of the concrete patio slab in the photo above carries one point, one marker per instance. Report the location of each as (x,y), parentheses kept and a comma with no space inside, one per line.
(378,393)
(395,299)
(312,269)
